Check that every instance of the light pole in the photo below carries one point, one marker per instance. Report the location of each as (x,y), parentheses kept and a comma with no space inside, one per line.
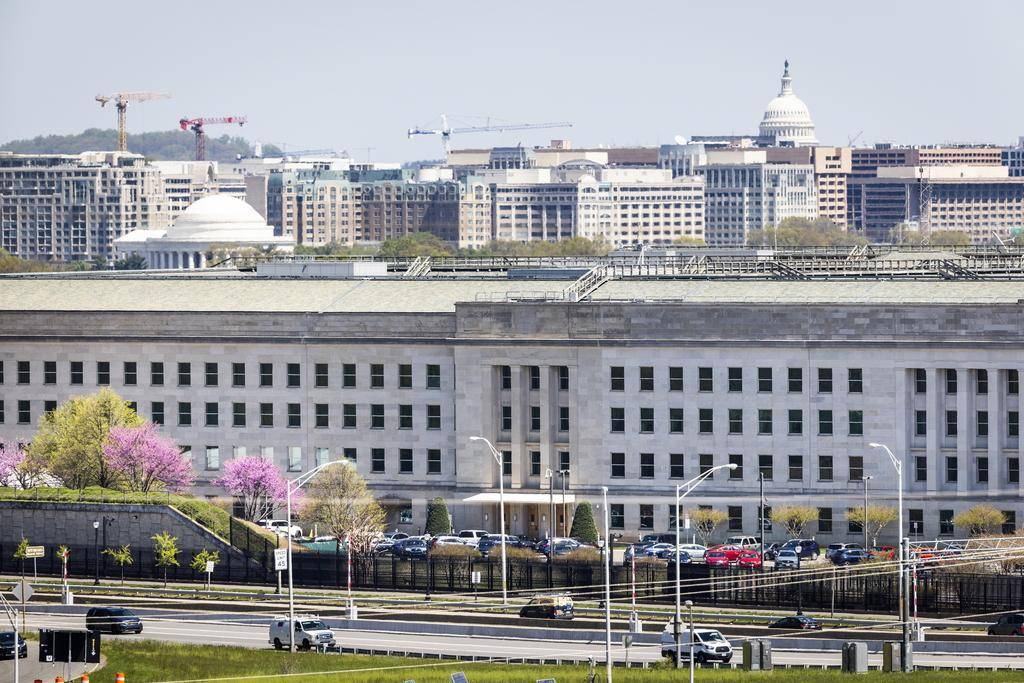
(551,502)
(904,616)
(96,551)
(864,526)
(683,490)
(689,609)
(501,515)
(565,509)
(607,587)
(289,486)
(760,481)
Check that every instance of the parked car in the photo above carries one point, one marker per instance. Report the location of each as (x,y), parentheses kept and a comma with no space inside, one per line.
(309,632)
(883,552)
(834,548)
(410,548)
(493,544)
(809,548)
(112,620)
(445,540)
(716,558)
(281,527)
(631,550)
(670,555)
(1008,625)
(743,541)
(560,545)
(472,536)
(732,551)
(850,556)
(694,550)
(771,551)
(655,549)
(749,559)
(787,559)
(649,539)
(709,645)
(548,607)
(396,536)
(7,649)
(797,622)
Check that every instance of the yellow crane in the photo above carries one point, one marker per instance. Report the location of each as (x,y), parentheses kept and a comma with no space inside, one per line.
(121,100)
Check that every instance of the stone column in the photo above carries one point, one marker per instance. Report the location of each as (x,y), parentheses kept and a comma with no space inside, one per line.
(996,407)
(965,436)
(202,259)
(520,400)
(936,428)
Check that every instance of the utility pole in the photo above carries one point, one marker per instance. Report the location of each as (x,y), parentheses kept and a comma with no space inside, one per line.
(551,503)
(760,481)
(905,665)
(864,526)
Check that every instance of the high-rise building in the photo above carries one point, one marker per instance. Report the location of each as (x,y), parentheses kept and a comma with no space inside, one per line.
(1013,159)
(832,167)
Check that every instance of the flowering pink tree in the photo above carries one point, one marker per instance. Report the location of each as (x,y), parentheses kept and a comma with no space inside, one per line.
(256,481)
(145,460)
(16,469)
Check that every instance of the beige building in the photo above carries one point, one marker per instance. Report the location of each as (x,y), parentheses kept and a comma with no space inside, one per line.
(186,182)
(832,168)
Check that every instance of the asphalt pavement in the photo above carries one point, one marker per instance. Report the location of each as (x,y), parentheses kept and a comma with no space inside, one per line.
(31,668)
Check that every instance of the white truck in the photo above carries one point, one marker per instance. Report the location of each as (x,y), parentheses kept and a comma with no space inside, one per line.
(709,645)
(309,632)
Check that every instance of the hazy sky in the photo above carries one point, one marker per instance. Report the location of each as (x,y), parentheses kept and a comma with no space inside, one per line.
(353,75)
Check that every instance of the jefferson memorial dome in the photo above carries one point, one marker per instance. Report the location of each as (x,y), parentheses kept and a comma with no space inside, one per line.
(787,118)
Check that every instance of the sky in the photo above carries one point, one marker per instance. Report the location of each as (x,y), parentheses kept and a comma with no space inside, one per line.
(357,75)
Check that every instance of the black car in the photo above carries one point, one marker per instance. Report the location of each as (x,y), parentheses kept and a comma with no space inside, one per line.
(797,623)
(548,607)
(112,620)
(1008,625)
(7,646)
(410,548)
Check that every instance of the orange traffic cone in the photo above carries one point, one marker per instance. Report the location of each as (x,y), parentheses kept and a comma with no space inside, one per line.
(85,678)
(119,678)
(59,679)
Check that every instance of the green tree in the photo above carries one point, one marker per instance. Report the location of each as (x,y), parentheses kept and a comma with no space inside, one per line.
(439,520)
(415,244)
(339,499)
(685,241)
(21,552)
(980,520)
(165,552)
(170,144)
(13,264)
(879,517)
(121,556)
(583,526)
(705,521)
(69,443)
(131,262)
(794,518)
(804,232)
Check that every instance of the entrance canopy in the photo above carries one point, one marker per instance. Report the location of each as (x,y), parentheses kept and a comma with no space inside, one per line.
(518,497)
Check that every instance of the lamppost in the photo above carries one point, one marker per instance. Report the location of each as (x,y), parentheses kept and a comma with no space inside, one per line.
(689,609)
(565,509)
(760,514)
(683,490)
(904,615)
(501,503)
(864,526)
(607,587)
(96,551)
(551,503)
(289,486)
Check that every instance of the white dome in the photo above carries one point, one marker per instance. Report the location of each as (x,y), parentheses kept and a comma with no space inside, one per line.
(787,117)
(220,218)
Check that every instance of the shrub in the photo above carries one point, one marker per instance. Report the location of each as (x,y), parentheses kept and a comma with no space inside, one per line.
(581,555)
(651,562)
(583,526)
(454,551)
(439,520)
(521,554)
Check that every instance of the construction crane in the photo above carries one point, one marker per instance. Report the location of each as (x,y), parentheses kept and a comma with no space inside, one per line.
(197,125)
(121,100)
(446,131)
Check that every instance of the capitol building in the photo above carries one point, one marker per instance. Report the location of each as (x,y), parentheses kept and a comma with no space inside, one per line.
(787,118)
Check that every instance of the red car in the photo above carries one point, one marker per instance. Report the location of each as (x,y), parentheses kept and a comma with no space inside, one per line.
(716,558)
(732,551)
(750,559)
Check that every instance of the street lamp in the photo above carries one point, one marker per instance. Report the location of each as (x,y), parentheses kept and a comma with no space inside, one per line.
(551,503)
(96,551)
(904,616)
(864,526)
(289,486)
(683,490)
(501,503)
(689,609)
(607,586)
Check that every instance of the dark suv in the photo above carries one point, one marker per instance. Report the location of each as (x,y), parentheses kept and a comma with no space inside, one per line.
(7,646)
(1008,625)
(808,547)
(112,620)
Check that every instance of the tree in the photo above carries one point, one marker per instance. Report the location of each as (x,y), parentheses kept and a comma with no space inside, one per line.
(439,520)
(16,469)
(704,522)
(687,241)
(200,559)
(415,244)
(70,439)
(980,520)
(583,526)
(339,499)
(256,481)
(803,232)
(145,460)
(879,517)
(131,262)
(21,554)
(794,518)
(165,552)
(14,264)
(121,556)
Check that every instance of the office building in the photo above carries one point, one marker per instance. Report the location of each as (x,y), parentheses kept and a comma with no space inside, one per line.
(832,168)
(1013,159)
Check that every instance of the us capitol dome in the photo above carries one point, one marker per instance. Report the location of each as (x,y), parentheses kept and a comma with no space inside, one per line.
(786,118)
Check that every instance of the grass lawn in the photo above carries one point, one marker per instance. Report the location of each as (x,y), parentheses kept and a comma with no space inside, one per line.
(145,661)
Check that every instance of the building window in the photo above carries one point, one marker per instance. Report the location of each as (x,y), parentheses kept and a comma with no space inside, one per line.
(376,416)
(920,468)
(736,459)
(676,469)
(852,526)
(266,374)
(184,374)
(212,414)
(825,471)
(982,466)
(433,461)
(348,416)
(824,520)
(675,420)
(24,412)
(764,516)
(646,378)
(322,417)
(824,380)
(506,418)
(433,417)
(618,420)
(706,420)
(796,380)
(433,376)
(1009,522)
(921,422)
(735,513)
(617,376)
(377,460)
(825,422)
(350,454)
(675,378)
(184,414)
(735,420)
(920,381)
(856,418)
(238,374)
(237,414)
(131,377)
(320,375)
(266,452)
(705,379)
(1013,382)
(766,467)
(916,518)
(646,517)
(213,457)
(534,418)
(856,468)
(103,373)
(706,462)
(616,516)
(1013,470)
(376,376)
(78,374)
(981,378)
(404,376)
(618,465)
(210,374)
(405,416)
(405,461)
(50,372)
(951,423)
(647,420)
(982,423)
(735,379)
(156,412)
(534,374)
(796,468)
(855,381)
(796,422)
(506,463)
(266,415)
(950,381)
(563,461)
(764,421)
(563,418)
(24,372)
(952,473)
(348,375)
(764,380)
(534,463)
(294,415)
(321,456)
(1013,423)
(563,378)
(506,376)
(647,465)
(946,523)
(294,372)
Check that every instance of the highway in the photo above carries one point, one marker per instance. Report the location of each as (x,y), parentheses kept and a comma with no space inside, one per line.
(251,631)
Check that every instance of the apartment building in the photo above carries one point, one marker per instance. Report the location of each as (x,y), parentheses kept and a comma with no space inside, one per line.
(186,182)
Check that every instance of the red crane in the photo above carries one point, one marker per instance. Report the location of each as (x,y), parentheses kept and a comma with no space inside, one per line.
(197,124)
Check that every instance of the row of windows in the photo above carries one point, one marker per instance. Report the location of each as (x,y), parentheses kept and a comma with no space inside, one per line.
(735,379)
(378,458)
(323,374)
(706,421)
(535,418)
(981,423)
(322,415)
(952,381)
(794,464)
(533,377)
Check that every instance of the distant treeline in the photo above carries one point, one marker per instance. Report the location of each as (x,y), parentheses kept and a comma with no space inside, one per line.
(169,145)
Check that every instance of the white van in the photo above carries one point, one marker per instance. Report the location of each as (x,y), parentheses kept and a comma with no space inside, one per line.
(743,541)
(281,527)
(310,631)
(472,536)
(709,645)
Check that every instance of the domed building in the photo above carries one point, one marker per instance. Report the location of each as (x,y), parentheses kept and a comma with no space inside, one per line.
(217,221)
(787,119)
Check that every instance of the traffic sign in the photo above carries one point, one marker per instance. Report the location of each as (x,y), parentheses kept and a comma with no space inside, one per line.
(22,592)
(280,559)
(209,567)
(33,551)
